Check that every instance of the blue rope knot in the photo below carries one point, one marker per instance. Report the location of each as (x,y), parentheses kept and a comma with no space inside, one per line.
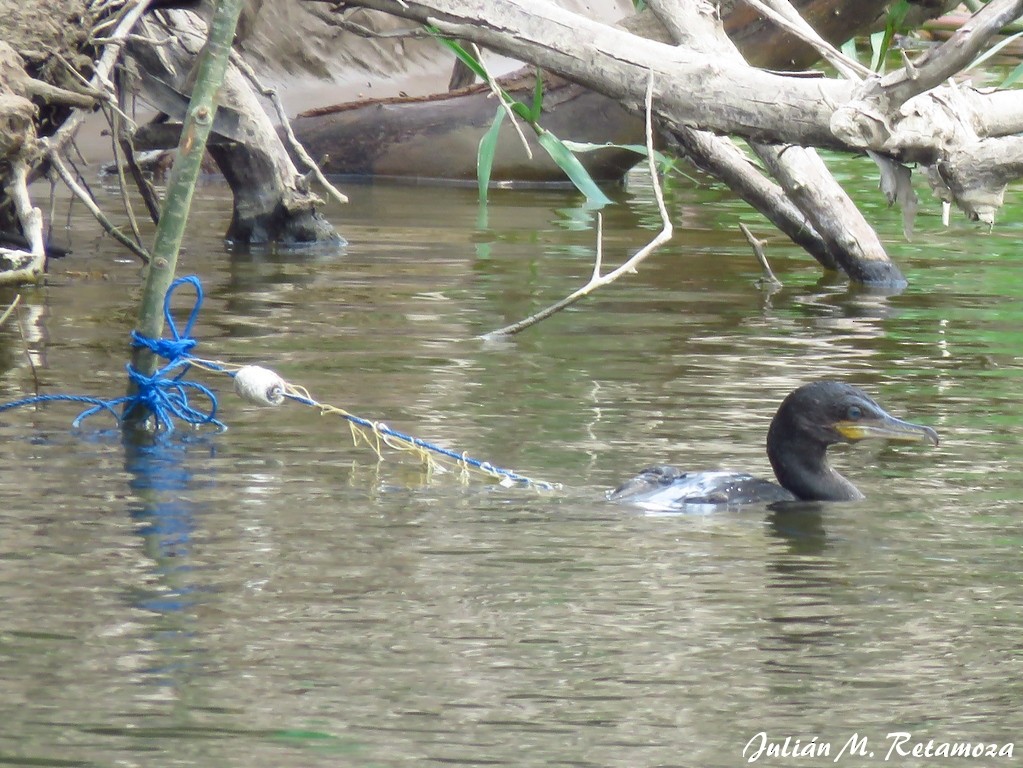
(167,398)
(168,349)
(165,394)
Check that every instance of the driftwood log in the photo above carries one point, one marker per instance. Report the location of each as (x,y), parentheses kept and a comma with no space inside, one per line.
(273,204)
(64,59)
(437,136)
(966,139)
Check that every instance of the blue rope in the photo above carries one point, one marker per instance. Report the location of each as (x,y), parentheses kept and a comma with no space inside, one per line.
(461,458)
(164,396)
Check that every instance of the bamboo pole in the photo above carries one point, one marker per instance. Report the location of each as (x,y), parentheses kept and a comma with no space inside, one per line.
(180,188)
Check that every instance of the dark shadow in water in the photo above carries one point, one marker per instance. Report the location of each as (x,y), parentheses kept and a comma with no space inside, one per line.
(800,524)
(806,622)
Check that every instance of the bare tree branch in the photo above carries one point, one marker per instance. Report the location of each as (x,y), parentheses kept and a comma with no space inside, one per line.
(940,63)
(629,266)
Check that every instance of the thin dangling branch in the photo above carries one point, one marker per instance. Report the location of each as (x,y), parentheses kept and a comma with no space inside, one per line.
(598,280)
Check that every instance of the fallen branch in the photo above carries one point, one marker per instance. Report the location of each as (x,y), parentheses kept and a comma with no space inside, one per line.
(598,280)
(758,250)
(86,198)
(941,63)
(23,266)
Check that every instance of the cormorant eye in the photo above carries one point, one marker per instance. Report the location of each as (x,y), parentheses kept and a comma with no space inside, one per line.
(854,413)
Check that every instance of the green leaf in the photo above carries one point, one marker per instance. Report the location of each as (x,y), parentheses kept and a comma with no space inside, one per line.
(877,49)
(463,55)
(569,163)
(485,156)
(537,97)
(1013,76)
(639,149)
(881,43)
(992,51)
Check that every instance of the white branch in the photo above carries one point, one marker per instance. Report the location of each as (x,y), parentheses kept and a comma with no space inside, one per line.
(785,16)
(598,280)
(28,265)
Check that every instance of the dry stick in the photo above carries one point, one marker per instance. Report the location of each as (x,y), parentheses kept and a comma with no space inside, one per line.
(293,142)
(86,198)
(144,185)
(116,128)
(31,220)
(500,94)
(125,141)
(598,281)
(758,251)
(785,16)
(10,309)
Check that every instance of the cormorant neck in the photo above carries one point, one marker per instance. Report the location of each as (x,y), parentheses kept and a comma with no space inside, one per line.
(801,466)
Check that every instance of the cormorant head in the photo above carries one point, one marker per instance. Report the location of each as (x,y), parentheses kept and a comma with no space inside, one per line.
(820,414)
(827,412)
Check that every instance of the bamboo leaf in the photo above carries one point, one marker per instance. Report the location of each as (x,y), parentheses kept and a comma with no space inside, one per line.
(537,97)
(1013,76)
(639,149)
(877,49)
(463,55)
(992,51)
(521,110)
(485,156)
(569,163)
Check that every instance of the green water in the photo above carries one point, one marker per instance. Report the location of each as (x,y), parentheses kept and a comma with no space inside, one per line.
(275,596)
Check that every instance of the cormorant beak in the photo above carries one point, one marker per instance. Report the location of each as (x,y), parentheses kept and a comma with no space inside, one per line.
(887,427)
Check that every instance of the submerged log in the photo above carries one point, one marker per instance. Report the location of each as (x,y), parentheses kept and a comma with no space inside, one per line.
(437,136)
(273,204)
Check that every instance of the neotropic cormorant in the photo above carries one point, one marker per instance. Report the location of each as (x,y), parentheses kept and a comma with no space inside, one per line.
(810,419)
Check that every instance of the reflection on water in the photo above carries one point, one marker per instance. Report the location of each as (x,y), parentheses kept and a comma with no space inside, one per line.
(275,596)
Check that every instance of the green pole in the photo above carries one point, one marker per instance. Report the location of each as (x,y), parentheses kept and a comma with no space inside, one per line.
(169,232)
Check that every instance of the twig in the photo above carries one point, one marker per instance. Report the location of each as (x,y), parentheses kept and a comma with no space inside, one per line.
(358,29)
(117,128)
(293,142)
(758,251)
(499,92)
(130,15)
(127,145)
(86,198)
(24,345)
(598,280)
(10,309)
(785,16)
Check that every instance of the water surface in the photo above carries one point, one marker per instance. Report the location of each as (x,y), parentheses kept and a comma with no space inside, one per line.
(274,595)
